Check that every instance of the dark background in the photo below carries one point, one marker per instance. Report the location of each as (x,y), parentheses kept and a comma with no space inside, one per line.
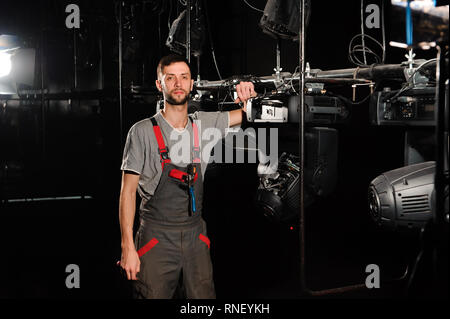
(71,145)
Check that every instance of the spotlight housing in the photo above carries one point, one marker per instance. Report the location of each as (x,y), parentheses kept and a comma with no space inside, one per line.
(403,198)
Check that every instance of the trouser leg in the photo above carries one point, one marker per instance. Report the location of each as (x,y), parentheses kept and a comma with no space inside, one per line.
(160,266)
(197,266)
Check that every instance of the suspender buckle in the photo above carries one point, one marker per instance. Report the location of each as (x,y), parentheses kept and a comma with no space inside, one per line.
(164,153)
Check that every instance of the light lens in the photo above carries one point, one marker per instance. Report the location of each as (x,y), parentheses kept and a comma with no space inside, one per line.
(5,63)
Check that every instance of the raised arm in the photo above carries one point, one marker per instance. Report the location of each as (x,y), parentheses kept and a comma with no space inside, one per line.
(245,91)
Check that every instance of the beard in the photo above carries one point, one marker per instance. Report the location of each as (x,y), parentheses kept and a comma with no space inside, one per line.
(173,100)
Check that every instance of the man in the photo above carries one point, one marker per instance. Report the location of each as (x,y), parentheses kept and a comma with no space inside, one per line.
(172,235)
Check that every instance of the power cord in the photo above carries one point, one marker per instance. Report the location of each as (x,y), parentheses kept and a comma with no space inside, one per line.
(358,48)
(256,9)
(210,39)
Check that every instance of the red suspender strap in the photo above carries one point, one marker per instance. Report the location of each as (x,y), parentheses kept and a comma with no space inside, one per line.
(162,149)
(180,175)
(196,143)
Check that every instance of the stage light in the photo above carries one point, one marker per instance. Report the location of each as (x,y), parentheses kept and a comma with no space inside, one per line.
(281,18)
(5,64)
(17,65)
(278,194)
(403,198)
(176,40)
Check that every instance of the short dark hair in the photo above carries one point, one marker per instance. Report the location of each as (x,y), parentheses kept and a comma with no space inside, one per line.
(168,60)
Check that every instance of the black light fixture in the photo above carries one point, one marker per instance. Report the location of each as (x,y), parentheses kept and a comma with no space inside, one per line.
(278,192)
(281,18)
(176,40)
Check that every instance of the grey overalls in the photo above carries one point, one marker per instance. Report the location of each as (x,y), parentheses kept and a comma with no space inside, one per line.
(171,238)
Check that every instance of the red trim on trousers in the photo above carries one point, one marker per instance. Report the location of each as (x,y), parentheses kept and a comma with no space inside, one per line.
(205,239)
(144,249)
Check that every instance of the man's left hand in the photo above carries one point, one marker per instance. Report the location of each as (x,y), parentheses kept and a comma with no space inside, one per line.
(245,91)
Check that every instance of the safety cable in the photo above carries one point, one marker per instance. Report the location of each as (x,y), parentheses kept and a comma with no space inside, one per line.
(252,6)
(354,49)
(362,33)
(208,27)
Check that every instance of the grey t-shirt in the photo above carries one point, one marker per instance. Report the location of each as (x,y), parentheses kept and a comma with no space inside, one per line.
(141,148)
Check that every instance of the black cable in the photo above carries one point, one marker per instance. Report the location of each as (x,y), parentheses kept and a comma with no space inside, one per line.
(208,27)
(362,48)
(116,14)
(256,9)
(414,270)
(383,32)
(349,102)
(352,50)
(362,33)
(170,13)
(418,259)
(420,67)
(159,33)
(408,85)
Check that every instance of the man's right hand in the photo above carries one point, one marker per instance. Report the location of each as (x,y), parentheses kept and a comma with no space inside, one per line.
(130,262)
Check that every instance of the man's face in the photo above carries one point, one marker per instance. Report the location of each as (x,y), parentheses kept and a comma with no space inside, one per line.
(175,82)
